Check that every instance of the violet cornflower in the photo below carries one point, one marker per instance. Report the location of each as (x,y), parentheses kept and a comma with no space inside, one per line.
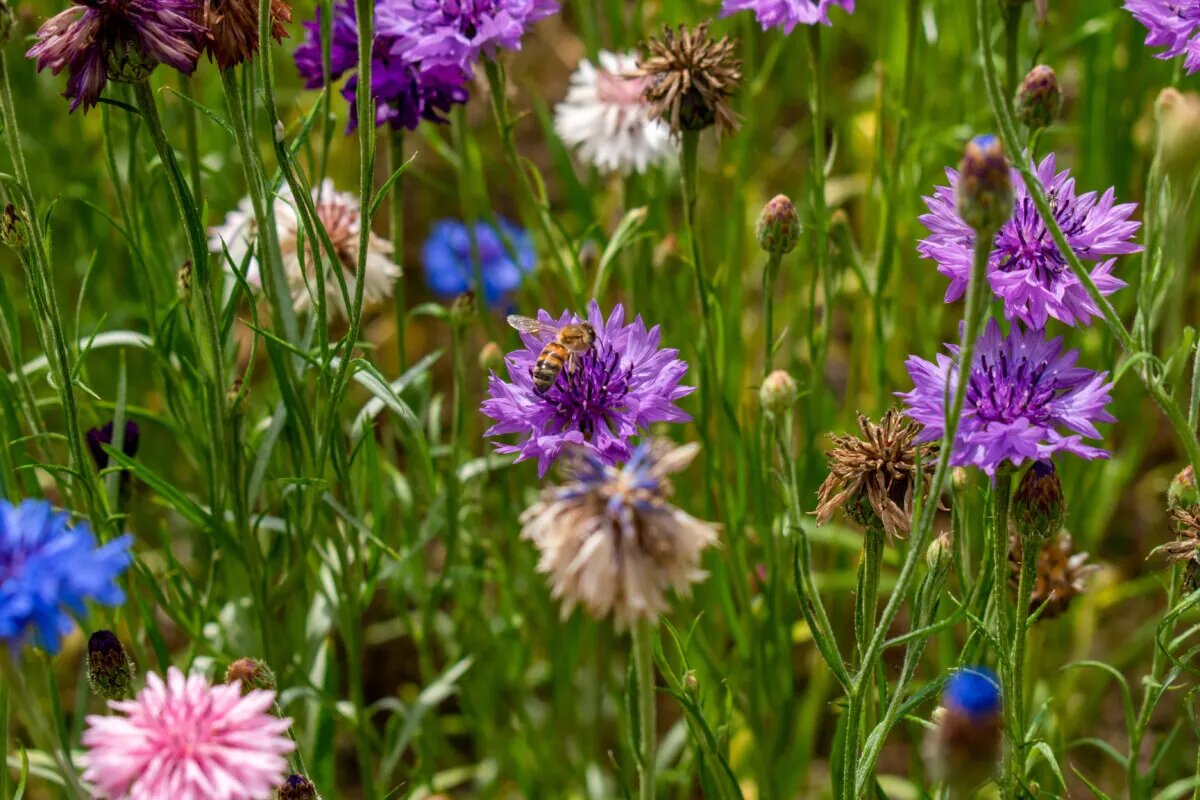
(121,40)
(1022,393)
(405,90)
(787,14)
(623,384)
(1173,24)
(1026,269)
(457,33)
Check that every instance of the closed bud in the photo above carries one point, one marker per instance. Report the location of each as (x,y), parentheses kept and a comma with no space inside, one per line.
(126,62)
(984,191)
(14,228)
(183,281)
(1178,117)
(279,132)
(1182,492)
(960,478)
(463,308)
(778,227)
(939,554)
(691,682)
(778,392)
(491,357)
(1038,504)
(234,396)
(1039,98)
(110,671)
(296,787)
(251,674)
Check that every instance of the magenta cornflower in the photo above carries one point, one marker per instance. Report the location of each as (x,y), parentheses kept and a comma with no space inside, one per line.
(1025,399)
(1173,24)
(1026,269)
(122,40)
(787,14)
(619,387)
(188,740)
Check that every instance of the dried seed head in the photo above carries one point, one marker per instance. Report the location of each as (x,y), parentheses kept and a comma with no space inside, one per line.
(873,478)
(984,190)
(1038,509)
(1182,492)
(1185,525)
(296,787)
(1061,574)
(778,392)
(691,78)
(778,227)
(110,670)
(232,28)
(1039,98)
(251,674)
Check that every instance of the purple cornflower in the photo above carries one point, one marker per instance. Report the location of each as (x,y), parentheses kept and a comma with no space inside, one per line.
(121,40)
(624,383)
(1026,269)
(1022,391)
(456,33)
(405,90)
(787,14)
(46,566)
(1173,24)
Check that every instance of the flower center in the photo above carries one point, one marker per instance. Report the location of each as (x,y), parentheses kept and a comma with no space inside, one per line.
(587,396)
(1024,243)
(618,89)
(999,391)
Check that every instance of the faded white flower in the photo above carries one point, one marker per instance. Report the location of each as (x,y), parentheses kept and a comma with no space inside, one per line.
(340,216)
(605,116)
(610,539)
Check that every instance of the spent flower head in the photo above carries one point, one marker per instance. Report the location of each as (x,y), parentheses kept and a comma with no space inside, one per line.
(1025,400)
(122,40)
(1026,269)
(1173,25)
(250,674)
(610,539)
(621,385)
(1061,575)
(231,28)
(787,14)
(691,78)
(873,478)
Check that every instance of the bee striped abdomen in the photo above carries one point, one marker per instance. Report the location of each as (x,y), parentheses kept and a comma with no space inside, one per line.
(549,363)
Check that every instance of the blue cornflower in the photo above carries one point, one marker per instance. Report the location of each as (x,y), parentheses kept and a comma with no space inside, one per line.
(506,254)
(964,746)
(47,568)
(975,692)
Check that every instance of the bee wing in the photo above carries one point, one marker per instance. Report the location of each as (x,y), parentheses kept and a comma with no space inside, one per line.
(530,325)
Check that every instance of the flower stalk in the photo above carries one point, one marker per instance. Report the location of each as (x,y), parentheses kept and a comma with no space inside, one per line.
(642,637)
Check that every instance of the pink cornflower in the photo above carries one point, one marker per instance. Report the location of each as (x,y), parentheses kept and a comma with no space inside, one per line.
(187,740)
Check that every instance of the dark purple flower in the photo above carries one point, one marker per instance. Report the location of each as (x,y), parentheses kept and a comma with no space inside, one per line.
(1173,24)
(121,40)
(786,14)
(1026,269)
(98,437)
(619,387)
(1022,392)
(405,90)
(456,33)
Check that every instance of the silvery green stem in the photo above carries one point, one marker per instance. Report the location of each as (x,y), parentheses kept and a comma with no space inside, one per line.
(770,273)
(1001,497)
(396,231)
(1031,547)
(820,220)
(642,636)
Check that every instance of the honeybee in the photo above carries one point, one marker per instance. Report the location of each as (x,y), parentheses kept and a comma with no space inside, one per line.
(569,342)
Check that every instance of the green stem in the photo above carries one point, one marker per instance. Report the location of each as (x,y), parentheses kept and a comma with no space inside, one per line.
(39,726)
(770,273)
(820,214)
(396,230)
(1001,495)
(643,665)
(4,748)
(1030,549)
(1012,45)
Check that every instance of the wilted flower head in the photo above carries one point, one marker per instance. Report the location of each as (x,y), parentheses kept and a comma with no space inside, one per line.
(1026,269)
(405,90)
(964,746)
(110,670)
(606,118)
(47,568)
(1061,574)
(121,40)
(1039,98)
(506,256)
(1185,547)
(620,386)
(232,28)
(691,78)
(296,787)
(873,478)
(1172,24)
(188,740)
(340,216)
(787,14)
(1022,392)
(611,540)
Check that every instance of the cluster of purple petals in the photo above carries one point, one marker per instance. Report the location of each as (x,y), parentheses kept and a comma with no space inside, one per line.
(1025,399)
(625,383)
(457,33)
(787,14)
(1172,24)
(81,38)
(1026,269)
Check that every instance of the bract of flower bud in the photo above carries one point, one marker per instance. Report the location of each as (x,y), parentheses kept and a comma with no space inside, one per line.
(984,192)
(778,392)
(252,674)
(1039,98)
(1038,509)
(778,227)
(110,670)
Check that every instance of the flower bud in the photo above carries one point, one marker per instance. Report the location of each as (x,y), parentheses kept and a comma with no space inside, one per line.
(1038,504)
(235,398)
(251,674)
(939,553)
(183,281)
(296,787)
(14,228)
(965,744)
(960,478)
(127,62)
(778,227)
(491,357)
(691,682)
(110,671)
(1182,492)
(1039,98)
(778,392)
(463,308)
(1178,117)
(984,191)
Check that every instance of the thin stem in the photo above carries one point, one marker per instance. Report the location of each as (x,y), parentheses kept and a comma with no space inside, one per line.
(1001,495)
(820,214)
(770,273)
(1012,44)
(643,665)
(4,748)
(396,230)
(38,726)
(1030,549)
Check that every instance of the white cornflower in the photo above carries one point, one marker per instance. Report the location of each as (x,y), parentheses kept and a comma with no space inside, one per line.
(340,216)
(611,541)
(606,118)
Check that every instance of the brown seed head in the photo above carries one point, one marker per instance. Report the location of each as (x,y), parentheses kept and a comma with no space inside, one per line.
(1185,524)
(691,78)
(233,28)
(1061,574)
